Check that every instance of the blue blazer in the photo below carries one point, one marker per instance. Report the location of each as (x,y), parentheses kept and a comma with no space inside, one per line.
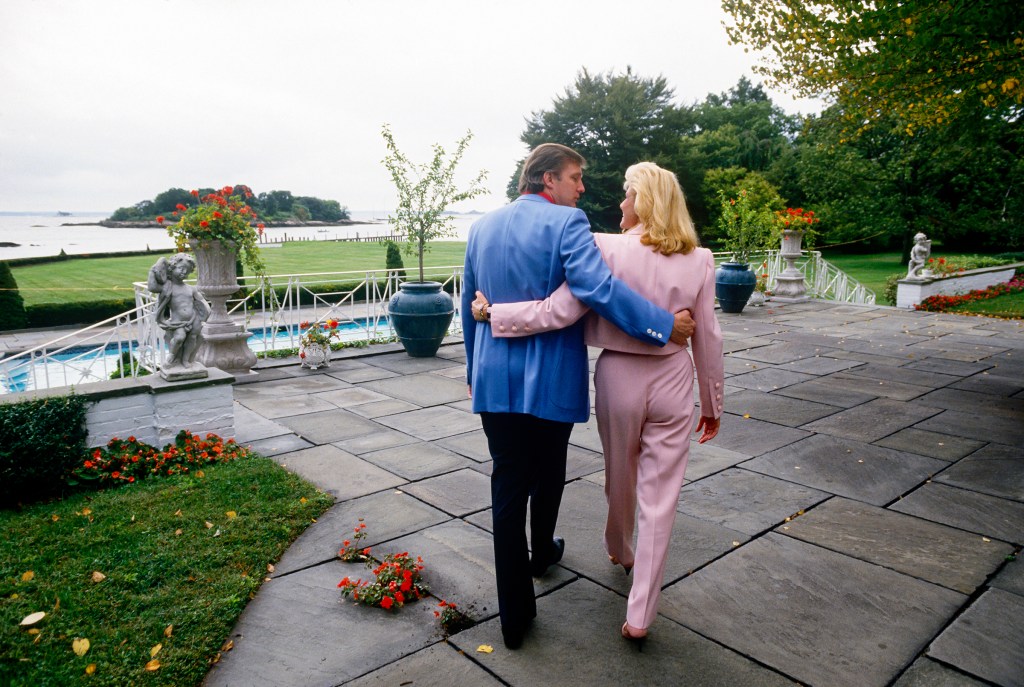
(523,252)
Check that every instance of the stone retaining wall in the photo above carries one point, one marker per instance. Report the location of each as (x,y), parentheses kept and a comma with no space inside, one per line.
(149,408)
(910,292)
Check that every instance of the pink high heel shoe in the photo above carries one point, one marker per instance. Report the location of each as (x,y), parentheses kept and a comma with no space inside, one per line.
(634,635)
(615,561)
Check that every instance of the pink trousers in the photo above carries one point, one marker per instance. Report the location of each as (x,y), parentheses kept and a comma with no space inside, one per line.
(644,416)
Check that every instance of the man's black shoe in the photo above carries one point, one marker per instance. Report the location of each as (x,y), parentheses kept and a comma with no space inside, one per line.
(538,568)
(513,634)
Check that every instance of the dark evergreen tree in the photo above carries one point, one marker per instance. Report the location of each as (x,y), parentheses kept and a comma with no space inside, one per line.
(12,306)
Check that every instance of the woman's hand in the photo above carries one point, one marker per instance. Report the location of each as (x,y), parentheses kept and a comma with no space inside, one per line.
(710,426)
(479,308)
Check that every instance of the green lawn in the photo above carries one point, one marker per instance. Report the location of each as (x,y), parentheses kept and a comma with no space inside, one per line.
(1010,305)
(870,270)
(111,278)
(179,557)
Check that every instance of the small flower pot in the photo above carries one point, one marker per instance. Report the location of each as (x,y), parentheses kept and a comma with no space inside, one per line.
(314,355)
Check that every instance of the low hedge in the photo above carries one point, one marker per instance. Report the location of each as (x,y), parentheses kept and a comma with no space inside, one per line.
(81,313)
(41,441)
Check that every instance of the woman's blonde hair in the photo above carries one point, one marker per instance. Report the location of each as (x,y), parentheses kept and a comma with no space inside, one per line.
(661,207)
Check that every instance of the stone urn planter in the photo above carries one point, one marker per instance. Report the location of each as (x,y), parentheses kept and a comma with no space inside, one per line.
(224,342)
(789,284)
(420,314)
(734,282)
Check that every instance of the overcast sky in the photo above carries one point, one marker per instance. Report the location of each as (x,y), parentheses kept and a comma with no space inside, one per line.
(104,103)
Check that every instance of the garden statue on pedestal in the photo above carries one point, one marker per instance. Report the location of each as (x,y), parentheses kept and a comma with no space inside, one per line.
(180,312)
(919,258)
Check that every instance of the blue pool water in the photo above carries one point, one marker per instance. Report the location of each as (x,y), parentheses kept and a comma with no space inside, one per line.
(85,364)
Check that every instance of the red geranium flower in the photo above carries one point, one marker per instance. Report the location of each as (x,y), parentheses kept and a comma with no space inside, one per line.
(387,602)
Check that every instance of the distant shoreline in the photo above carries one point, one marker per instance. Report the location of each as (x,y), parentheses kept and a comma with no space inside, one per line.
(152,224)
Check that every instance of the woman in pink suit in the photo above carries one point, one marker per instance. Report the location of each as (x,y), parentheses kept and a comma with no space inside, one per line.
(644,393)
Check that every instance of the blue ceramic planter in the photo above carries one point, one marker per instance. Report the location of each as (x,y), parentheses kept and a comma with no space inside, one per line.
(734,282)
(420,313)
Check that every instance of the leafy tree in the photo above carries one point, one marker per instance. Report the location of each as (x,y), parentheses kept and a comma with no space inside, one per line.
(613,120)
(12,305)
(166,202)
(920,62)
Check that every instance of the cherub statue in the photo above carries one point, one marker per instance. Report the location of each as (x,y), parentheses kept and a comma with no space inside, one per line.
(180,312)
(918,256)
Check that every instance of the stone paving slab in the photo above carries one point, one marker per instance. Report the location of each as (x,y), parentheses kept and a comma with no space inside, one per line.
(956,350)
(439,665)
(746,501)
(818,616)
(311,383)
(926,550)
(417,460)
(872,420)
(968,510)
(1011,577)
(458,493)
(932,444)
(906,375)
(250,426)
(992,383)
(927,673)
(337,472)
(387,515)
(781,410)
(737,366)
(362,373)
(351,396)
(404,364)
(848,468)
(708,458)
(275,408)
(744,327)
(986,639)
(969,401)
(327,426)
(784,352)
(580,462)
(956,368)
(381,408)
(364,443)
(769,379)
(471,444)
(821,364)
(457,372)
(585,436)
(299,632)
(753,437)
(422,389)
(432,423)
(581,522)
(979,425)
(995,469)
(822,390)
(274,446)
(575,641)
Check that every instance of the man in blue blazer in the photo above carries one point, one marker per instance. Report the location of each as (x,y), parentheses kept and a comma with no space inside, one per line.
(529,391)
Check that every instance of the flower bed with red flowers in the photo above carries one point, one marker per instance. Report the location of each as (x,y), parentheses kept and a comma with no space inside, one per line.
(128,460)
(941,303)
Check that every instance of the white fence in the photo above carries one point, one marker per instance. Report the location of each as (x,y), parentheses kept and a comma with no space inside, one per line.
(358,300)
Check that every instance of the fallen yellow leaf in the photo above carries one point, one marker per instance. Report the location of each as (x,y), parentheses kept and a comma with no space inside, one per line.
(177,533)
(55,517)
(80,646)
(986,539)
(90,669)
(155,650)
(27,576)
(34,631)
(270,567)
(746,416)
(87,511)
(168,630)
(32,618)
(178,512)
(97,576)
(209,524)
(484,649)
(200,473)
(302,500)
(231,514)
(228,645)
(153,665)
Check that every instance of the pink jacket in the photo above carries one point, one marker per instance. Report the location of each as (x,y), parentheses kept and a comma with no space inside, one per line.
(673,282)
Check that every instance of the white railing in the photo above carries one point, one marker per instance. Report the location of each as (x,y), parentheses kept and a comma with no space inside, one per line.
(358,300)
(824,280)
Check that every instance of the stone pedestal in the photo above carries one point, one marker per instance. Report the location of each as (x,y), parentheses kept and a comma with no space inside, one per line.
(224,342)
(790,286)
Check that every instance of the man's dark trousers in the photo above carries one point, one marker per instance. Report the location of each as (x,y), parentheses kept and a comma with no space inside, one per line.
(529,455)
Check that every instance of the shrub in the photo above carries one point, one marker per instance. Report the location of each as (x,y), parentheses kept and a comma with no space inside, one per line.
(394,259)
(12,305)
(41,441)
(889,294)
(81,312)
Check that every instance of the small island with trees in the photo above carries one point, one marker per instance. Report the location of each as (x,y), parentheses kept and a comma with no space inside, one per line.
(274,208)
